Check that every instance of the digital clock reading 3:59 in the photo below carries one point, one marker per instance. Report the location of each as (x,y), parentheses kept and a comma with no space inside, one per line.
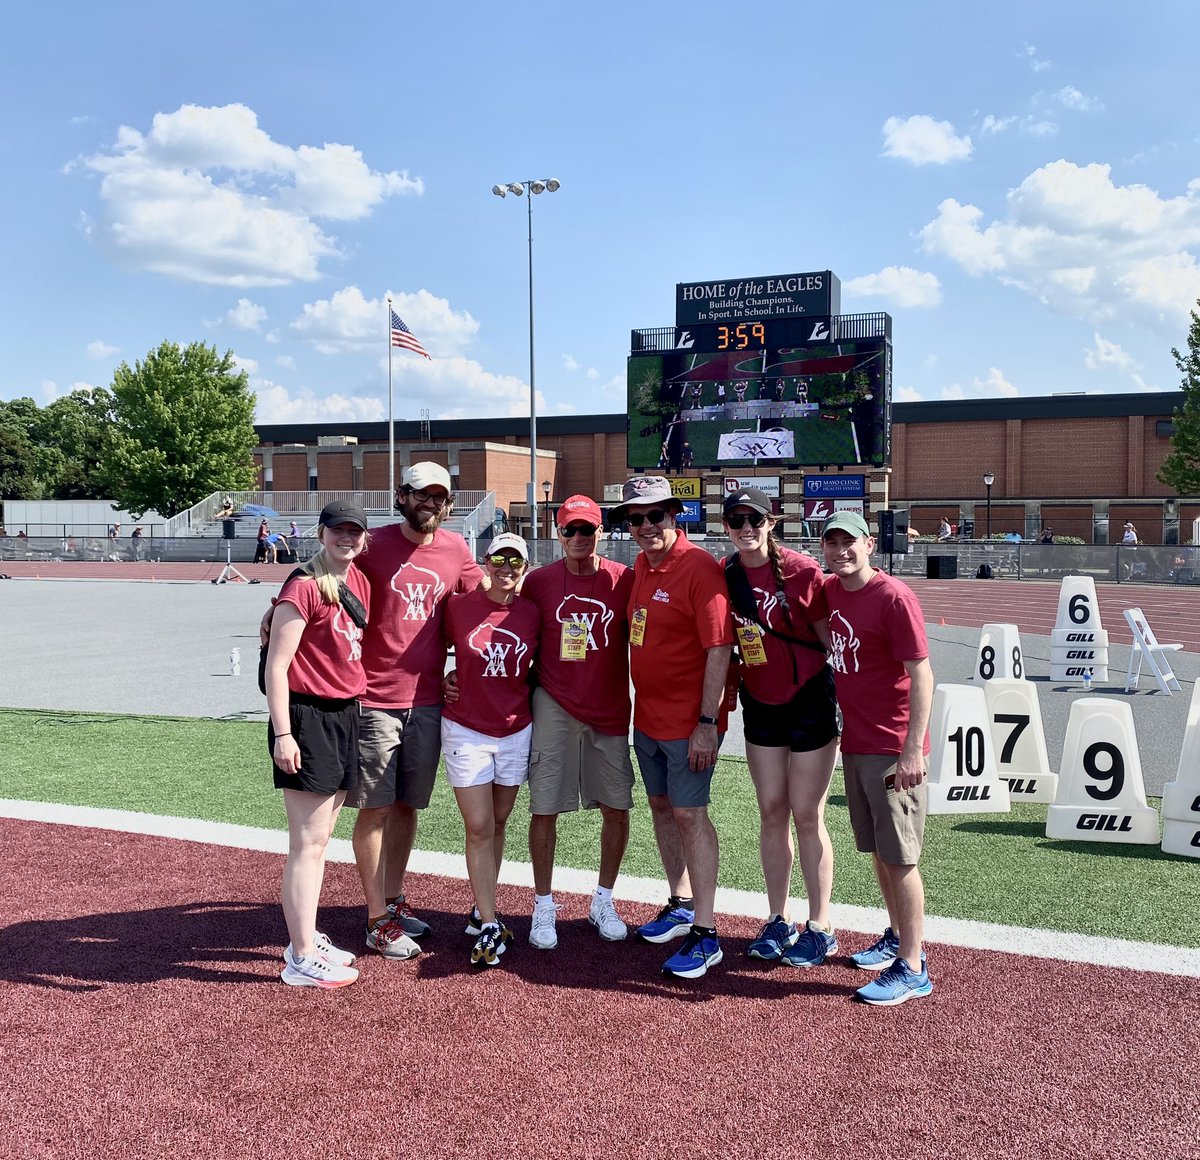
(744,336)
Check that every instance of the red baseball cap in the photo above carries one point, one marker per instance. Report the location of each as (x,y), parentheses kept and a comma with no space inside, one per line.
(580,507)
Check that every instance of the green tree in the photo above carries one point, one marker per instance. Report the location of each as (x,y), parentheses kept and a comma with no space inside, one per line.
(1181,469)
(75,429)
(182,427)
(18,465)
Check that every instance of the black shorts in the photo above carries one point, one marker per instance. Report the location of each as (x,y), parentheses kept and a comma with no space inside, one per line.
(327,733)
(807,722)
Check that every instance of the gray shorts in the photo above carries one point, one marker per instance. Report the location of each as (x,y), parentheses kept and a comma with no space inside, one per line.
(398,751)
(570,762)
(885,822)
(665,772)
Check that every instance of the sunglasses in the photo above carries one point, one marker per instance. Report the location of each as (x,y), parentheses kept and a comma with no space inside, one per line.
(584,530)
(636,519)
(757,519)
(513,562)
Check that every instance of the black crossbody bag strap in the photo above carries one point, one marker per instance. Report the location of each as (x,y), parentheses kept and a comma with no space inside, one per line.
(741,595)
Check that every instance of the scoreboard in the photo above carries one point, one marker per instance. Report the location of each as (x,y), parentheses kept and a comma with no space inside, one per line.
(787,390)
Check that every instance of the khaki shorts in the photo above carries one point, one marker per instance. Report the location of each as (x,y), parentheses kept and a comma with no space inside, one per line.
(398,751)
(885,822)
(571,762)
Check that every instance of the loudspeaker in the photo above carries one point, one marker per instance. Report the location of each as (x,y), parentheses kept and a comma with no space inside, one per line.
(228,529)
(941,568)
(893,532)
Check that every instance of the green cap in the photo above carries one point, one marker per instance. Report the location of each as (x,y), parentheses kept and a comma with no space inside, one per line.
(850,522)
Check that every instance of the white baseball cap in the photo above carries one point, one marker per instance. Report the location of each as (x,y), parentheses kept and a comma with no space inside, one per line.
(426,474)
(512,542)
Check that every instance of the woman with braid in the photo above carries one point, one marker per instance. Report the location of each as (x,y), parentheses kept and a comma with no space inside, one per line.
(790,721)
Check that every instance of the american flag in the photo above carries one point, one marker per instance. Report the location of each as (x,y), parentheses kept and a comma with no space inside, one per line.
(402,336)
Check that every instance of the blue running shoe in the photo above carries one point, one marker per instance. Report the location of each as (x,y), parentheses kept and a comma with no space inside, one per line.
(896,985)
(880,955)
(774,938)
(672,921)
(812,948)
(698,953)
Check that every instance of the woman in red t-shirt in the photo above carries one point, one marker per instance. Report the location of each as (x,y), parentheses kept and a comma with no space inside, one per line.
(487,728)
(314,677)
(789,720)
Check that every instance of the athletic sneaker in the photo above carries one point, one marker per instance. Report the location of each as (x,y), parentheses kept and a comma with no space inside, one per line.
(775,937)
(413,926)
(880,955)
(475,923)
(698,953)
(812,948)
(490,945)
(326,950)
(316,972)
(542,934)
(896,985)
(672,921)
(603,916)
(388,938)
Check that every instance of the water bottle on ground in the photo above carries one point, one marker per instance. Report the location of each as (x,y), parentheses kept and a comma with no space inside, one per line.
(235,662)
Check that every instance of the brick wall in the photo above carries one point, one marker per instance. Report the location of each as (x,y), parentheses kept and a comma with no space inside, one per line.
(335,470)
(289,471)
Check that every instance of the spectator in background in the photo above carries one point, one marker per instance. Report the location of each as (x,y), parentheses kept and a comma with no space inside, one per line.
(944,531)
(1013,537)
(135,543)
(1130,537)
(294,530)
(1047,536)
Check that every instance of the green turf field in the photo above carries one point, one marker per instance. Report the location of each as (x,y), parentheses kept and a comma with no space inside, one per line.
(996,868)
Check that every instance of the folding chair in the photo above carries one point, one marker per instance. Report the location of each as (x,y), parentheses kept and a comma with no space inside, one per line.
(1146,646)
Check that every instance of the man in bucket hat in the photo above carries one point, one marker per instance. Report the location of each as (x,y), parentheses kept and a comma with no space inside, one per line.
(680,635)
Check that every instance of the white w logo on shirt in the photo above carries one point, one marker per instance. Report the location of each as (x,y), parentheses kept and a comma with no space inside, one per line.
(495,645)
(419,588)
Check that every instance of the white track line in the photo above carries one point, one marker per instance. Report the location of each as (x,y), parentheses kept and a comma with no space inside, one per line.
(1028,941)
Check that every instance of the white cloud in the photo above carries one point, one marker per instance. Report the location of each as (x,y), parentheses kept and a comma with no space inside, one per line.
(992,125)
(570,364)
(593,374)
(1103,354)
(458,387)
(1038,127)
(994,386)
(1071,98)
(50,390)
(1085,246)
(246,315)
(208,196)
(906,395)
(348,321)
(898,285)
(276,404)
(249,365)
(923,141)
(286,361)
(1029,53)
(100,349)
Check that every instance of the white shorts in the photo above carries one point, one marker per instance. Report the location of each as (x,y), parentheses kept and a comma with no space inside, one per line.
(474,758)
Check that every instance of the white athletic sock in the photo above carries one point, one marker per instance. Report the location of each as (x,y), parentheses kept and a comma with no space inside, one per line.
(603,894)
(544,899)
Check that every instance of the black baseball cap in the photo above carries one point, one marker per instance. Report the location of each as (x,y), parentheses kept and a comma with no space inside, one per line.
(342,511)
(749,497)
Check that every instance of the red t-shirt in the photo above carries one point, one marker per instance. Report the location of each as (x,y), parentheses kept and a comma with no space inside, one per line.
(873,632)
(777,681)
(404,654)
(595,688)
(686,606)
(328,660)
(494,646)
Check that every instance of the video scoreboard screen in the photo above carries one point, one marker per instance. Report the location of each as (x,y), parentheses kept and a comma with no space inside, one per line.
(783,392)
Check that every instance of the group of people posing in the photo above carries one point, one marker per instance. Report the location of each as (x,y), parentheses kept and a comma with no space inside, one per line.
(361,709)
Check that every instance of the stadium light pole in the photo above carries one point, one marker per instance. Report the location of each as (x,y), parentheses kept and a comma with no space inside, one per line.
(988,479)
(527,190)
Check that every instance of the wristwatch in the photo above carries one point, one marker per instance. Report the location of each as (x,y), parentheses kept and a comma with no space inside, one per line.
(707,720)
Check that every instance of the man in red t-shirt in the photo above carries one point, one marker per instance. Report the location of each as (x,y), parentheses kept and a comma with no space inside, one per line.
(680,635)
(880,659)
(411,566)
(580,713)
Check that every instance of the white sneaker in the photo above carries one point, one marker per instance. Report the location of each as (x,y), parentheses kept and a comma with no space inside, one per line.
(603,916)
(326,950)
(542,934)
(316,972)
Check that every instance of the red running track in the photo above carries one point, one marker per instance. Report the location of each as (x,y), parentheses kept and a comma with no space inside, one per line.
(143,1017)
(1173,613)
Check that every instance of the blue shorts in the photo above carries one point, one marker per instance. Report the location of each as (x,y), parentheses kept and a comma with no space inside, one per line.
(665,771)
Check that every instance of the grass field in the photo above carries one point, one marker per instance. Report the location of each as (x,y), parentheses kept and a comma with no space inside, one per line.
(995,868)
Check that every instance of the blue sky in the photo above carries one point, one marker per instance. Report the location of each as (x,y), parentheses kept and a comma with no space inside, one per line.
(1017,184)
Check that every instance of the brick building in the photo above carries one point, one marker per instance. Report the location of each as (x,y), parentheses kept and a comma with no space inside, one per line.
(1081,464)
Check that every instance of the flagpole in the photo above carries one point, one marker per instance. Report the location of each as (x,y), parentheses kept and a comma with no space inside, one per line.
(391,424)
